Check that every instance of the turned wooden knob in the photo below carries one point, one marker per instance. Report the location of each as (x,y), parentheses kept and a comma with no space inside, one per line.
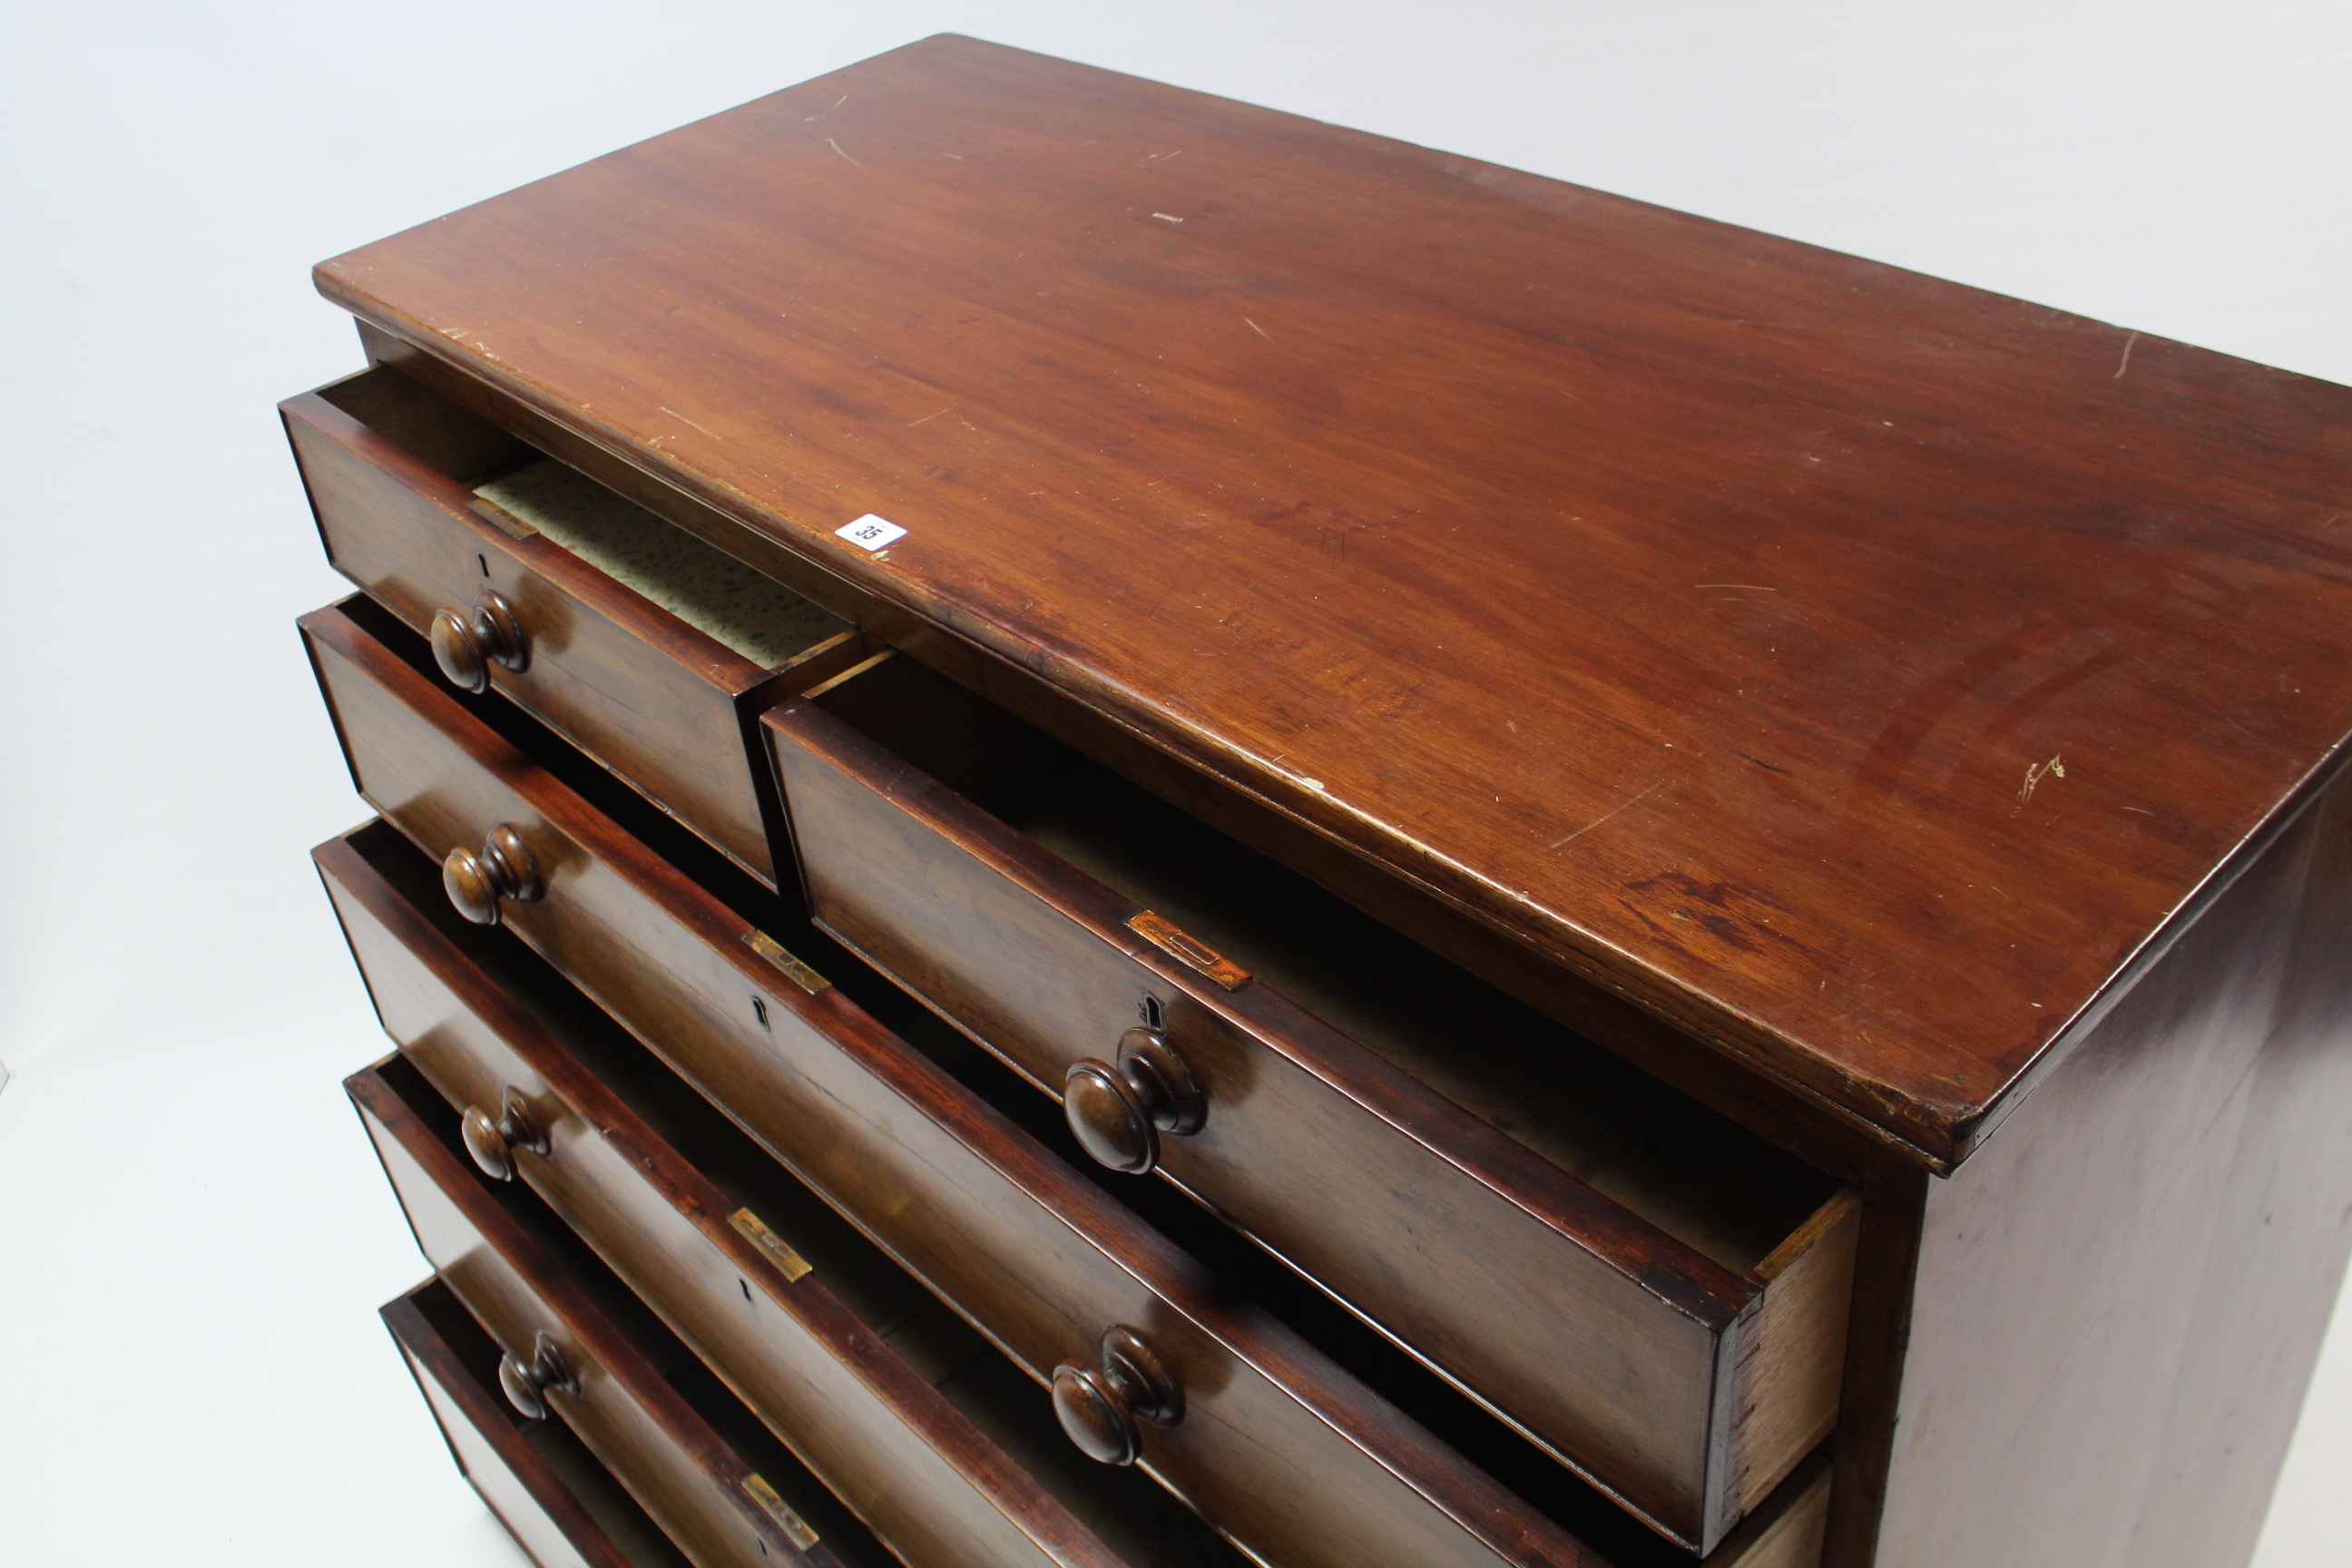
(1118,1109)
(527,1383)
(477,883)
(492,1144)
(466,645)
(1100,1407)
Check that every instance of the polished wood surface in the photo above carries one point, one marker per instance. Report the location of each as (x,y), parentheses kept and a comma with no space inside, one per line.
(1462,1242)
(1788,1536)
(466,645)
(544,1502)
(692,1484)
(909,1462)
(1826,1137)
(1756,629)
(1279,1447)
(528,1383)
(389,468)
(1901,719)
(480,885)
(2121,1297)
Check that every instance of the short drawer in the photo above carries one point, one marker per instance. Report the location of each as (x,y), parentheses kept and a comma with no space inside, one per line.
(562,1353)
(1651,1293)
(1273,1443)
(904,1413)
(563,1508)
(645,647)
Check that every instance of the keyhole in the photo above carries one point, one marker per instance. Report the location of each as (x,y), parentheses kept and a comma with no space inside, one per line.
(1154,1018)
(760,1010)
(484,563)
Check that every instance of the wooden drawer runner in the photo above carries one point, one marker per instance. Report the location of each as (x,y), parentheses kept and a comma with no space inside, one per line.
(563,1508)
(1277,1446)
(664,697)
(799,1315)
(1673,1328)
(712,1504)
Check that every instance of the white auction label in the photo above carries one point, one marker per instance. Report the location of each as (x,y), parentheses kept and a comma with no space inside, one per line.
(872,532)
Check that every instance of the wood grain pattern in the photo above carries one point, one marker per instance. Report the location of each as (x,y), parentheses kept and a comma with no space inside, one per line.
(1788,1535)
(390,468)
(540,1507)
(1791,1350)
(911,1465)
(1752,629)
(1832,1138)
(1465,1244)
(1279,1448)
(411,954)
(1878,1333)
(623,1184)
(2120,1298)
(655,1443)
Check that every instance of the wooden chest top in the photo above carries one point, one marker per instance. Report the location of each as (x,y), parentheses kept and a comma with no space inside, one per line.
(1861,669)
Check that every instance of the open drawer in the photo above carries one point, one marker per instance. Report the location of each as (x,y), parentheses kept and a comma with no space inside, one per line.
(563,1508)
(574,1346)
(645,647)
(1280,1446)
(928,1433)
(1268,1439)
(1651,1293)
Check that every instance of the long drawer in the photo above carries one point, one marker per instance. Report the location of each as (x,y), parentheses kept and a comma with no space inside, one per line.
(1651,1293)
(897,1406)
(562,1355)
(563,1508)
(645,647)
(1269,1440)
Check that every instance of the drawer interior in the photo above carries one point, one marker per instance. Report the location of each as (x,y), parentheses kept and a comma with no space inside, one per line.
(1131,1513)
(589,1484)
(523,492)
(1696,1174)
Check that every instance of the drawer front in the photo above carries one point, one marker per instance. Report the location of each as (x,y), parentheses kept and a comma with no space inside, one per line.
(1685,1390)
(882,1438)
(546,1511)
(700,1492)
(660,704)
(1276,1446)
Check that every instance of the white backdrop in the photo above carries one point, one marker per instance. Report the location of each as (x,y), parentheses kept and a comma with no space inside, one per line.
(193,1233)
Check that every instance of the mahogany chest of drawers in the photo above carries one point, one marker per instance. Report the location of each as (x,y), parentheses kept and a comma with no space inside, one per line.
(1114,829)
